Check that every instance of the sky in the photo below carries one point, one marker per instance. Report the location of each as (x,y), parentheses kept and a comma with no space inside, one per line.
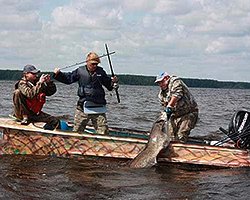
(205,39)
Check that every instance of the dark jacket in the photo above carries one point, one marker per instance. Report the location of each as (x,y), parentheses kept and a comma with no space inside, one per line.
(89,85)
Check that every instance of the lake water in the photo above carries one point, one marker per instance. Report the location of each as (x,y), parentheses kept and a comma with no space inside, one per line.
(30,177)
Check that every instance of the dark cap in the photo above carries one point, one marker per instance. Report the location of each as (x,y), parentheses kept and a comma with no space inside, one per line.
(30,68)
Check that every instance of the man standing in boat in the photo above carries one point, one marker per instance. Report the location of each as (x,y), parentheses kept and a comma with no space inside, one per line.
(179,105)
(30,95)
(92,103)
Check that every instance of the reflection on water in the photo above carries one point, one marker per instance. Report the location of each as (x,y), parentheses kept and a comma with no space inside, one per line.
(29,177)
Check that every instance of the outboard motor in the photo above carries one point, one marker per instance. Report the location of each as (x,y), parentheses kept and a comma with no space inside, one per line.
(239,129)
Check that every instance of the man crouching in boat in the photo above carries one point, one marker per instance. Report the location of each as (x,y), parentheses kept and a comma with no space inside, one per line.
(179,105)
(91,104)
(30,95)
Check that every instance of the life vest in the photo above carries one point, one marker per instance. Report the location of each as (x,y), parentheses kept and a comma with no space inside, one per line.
(90,86)
(36,104)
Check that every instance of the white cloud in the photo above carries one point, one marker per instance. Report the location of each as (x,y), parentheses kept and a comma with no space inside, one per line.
(214,47)
(174,7)
(186,38)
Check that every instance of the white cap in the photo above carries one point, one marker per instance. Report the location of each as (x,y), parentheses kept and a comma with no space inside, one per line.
(161,76)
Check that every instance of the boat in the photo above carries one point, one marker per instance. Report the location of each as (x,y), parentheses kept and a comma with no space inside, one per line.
(126,144)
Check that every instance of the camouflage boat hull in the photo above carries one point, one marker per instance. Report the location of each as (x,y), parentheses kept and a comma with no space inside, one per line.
(123,144)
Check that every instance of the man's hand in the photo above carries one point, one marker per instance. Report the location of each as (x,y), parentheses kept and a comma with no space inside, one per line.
(56,70)
(44,78)
(114,79)
(115,82)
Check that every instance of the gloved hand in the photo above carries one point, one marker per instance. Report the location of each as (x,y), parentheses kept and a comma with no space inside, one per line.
(169,111)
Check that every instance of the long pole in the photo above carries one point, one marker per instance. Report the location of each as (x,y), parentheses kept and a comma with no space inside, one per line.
(112,72)
(86,60)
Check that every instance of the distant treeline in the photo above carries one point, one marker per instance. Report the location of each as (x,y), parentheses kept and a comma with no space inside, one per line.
(147,80)
(199,83)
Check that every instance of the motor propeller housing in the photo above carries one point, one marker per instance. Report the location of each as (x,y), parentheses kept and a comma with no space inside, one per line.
(239,129)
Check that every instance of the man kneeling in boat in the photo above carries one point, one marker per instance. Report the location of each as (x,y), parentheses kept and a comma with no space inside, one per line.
(30,95)
(179,105)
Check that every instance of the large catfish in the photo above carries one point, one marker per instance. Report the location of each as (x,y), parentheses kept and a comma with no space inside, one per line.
(159,139)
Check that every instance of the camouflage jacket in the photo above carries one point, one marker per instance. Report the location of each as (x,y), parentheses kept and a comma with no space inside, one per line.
(30,90)
(185,103)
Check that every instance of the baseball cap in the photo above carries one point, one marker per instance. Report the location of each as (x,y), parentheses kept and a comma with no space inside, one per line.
(93,58)
(161,76)
(30,68)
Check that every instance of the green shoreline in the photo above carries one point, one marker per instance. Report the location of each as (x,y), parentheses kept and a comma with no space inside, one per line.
(127,79)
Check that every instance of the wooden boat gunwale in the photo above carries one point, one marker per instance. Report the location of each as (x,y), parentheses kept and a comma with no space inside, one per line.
(205,146)
(31,128)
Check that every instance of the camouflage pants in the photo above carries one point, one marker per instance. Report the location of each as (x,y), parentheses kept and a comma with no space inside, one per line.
(81,120)
(179,128)
(20,109)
